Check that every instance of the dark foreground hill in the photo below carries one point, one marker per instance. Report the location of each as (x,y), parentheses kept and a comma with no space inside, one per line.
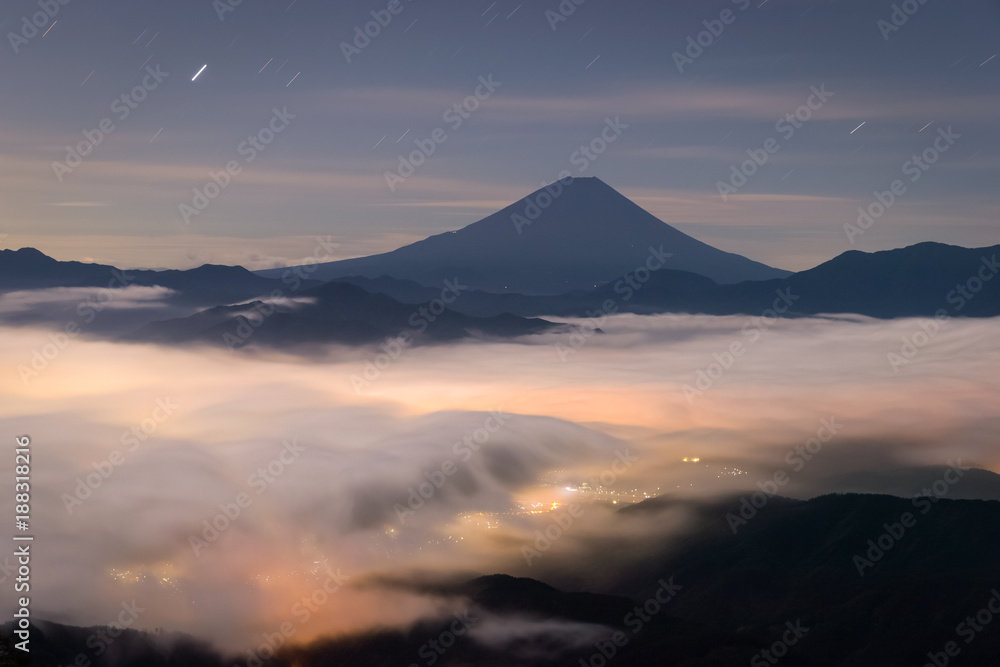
(845,580)
(879,580)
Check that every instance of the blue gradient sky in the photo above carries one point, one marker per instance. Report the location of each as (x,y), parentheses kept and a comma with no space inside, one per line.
(324,174)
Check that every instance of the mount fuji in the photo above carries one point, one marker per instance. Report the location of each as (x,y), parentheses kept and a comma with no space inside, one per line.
(573,234)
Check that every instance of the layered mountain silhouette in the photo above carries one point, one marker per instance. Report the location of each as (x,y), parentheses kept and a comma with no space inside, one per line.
(209,284)
(334,313)
(917,281)
(558,239)
(305,312)
(922,280)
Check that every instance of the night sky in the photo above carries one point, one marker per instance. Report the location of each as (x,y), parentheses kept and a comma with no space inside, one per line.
(895,92)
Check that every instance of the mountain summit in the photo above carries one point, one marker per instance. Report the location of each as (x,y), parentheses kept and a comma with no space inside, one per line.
(569,235)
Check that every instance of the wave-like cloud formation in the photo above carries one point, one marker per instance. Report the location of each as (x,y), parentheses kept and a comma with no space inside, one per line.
(228,494)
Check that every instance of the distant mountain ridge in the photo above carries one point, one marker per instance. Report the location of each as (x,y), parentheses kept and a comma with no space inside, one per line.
(564,237)
(208,284)
(334,313)
(922,280)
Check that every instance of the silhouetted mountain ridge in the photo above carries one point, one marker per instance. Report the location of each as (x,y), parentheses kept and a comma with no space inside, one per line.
(917,281)
(587,234)
(334,313)
(208,284)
